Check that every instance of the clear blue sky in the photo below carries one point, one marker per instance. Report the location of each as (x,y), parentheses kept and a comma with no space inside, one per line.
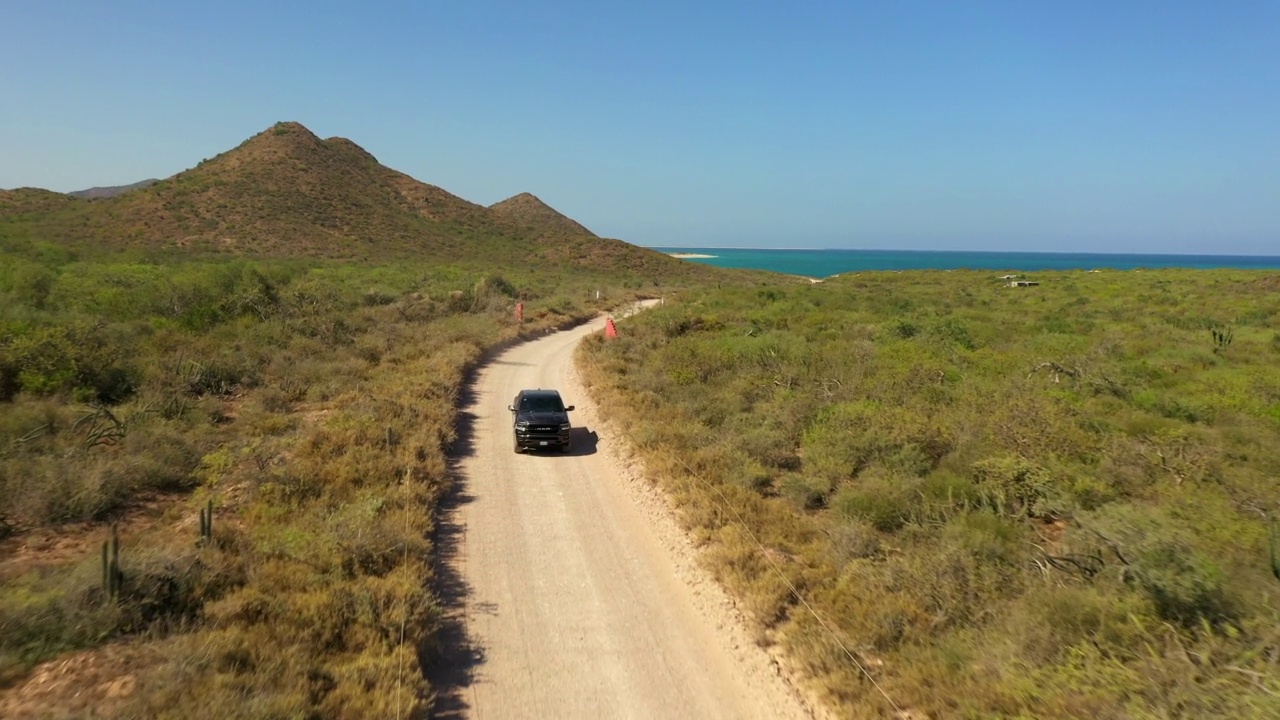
(1137,126)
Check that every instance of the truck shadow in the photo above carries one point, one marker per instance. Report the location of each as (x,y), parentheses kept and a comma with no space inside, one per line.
(584,442)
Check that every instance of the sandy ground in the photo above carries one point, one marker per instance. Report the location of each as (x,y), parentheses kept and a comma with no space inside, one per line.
(574,591)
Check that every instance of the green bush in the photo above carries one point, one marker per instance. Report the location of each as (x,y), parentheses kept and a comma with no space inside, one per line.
(1030,504)
(906,330)
(944,493)
(47,613)
(313,414)
(1053,620)
(847,437)
(1012,485)
(881,499)
(1160,556)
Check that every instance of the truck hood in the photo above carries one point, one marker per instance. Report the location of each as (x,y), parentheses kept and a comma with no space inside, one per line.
(542,418)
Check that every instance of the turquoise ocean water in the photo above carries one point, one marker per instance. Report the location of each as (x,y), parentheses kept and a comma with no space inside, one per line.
(825,263)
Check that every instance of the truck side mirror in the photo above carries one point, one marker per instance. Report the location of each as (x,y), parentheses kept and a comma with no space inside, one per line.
(568,409)
(512,408)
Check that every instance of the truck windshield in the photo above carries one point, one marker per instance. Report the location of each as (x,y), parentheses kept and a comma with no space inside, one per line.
(543,403)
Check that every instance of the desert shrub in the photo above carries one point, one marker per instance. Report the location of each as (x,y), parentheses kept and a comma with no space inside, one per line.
(771,441)
(51,612)
(161,458)
(943,493)
(275,400)
(805,491)
(494,285)
(1161,557)
(10,381)
(1186,586)
(1055,619)
(954,332)
(1173,407)
(970,498)
(48,490)
(884,500)
(94,483)
(167,585)
(112,385)
(674,326)
(853,540)
(77,358)
(375,297)
(217,376)
(986,536)
(906,330)
(846,437)
(29,284)
(1088,492)
(1012,485)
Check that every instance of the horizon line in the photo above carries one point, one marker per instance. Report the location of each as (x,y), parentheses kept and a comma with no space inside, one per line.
(991,252)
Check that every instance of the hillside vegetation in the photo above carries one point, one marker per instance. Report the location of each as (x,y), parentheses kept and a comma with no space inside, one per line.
(1044,502)
(530,212)
(286,193)
(210,344)
(95,193)
(308,404)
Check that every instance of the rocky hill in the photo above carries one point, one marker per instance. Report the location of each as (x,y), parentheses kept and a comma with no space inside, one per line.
(96,193)
(531,213)
(287,193)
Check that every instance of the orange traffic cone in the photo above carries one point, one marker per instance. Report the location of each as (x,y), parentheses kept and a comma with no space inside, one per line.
(610,330)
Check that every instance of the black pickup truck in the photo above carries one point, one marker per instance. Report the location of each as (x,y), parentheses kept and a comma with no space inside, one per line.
(539,419)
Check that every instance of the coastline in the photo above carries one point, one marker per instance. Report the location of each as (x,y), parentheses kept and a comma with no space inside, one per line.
(935,251)
(824,263)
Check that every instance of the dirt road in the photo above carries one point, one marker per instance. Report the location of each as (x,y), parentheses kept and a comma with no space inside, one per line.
(577,595)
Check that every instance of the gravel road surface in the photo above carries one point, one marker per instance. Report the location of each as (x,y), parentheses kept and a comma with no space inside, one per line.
(573,592)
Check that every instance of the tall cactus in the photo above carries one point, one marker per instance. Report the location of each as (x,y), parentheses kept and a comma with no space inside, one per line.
(206,522)
(112,578)
(1275,549)
(1222,337)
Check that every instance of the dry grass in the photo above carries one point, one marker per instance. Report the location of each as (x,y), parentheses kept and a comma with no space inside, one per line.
(1000,504)
(312,405)
(146,364)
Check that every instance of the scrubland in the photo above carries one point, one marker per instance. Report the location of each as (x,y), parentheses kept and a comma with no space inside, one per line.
(1040,502)
(1050,502)
(310,404)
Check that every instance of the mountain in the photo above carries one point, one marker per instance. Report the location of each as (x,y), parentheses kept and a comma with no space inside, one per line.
(95,193)
(32,201)
(287,193)
(528,211)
